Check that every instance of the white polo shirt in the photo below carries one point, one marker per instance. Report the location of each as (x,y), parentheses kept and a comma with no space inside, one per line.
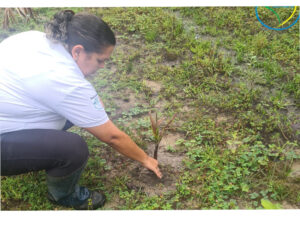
(41,86)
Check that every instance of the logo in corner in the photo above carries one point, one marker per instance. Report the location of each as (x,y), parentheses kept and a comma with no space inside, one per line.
(277,17)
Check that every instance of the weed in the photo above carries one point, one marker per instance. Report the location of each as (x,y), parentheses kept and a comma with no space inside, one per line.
(269,205)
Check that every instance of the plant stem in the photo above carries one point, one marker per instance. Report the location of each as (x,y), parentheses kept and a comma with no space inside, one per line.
(155,151)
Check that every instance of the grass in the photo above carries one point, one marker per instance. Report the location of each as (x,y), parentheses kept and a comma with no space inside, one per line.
(235,88)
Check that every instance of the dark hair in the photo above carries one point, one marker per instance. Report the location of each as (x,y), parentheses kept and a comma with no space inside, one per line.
(84,29)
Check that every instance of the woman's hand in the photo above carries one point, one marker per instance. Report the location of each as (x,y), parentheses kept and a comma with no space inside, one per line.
(121,142)
(152,164)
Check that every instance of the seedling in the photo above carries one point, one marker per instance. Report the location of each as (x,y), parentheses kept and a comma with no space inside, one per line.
(158,132)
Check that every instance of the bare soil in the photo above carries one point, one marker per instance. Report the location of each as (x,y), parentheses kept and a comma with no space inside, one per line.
(139,178)
(154,86)
(126,103)
(295,171)
(170,166)
(143,180)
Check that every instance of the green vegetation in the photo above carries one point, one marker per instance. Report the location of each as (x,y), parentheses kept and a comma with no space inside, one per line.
(235,88)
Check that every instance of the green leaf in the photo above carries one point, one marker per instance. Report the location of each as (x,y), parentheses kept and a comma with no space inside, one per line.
(254,195)
(269,205)
(263,161)
(193,50)
(245,187)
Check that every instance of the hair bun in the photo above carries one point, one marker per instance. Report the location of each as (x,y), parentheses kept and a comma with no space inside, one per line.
(83,29)
(64,16)
(56,29)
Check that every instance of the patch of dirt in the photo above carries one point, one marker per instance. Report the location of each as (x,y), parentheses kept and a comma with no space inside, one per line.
(147,182)
(172,63)
(170,166)
(142,179)
(14,204)
(296,131)
(228,54)
(168,140)
(243,204)
(286,205)
(293,110)
(125,103)
(186,109)
(221,118)
(161,104)
(154,86)
(114,202)
(188,106)
(191,27)
(112,68)
(295,171)
(170,160)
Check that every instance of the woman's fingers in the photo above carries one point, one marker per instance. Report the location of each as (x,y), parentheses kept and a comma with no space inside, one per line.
(158,173)
(152,164)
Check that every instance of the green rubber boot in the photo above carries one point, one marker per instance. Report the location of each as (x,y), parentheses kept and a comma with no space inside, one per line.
(65,191)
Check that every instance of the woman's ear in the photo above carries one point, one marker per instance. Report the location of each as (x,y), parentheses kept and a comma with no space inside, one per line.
(76,51)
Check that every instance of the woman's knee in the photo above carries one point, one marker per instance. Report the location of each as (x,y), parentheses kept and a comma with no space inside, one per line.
(73,155)
(78,151)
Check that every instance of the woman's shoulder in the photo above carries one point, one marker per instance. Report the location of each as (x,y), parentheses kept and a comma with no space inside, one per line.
(23,36)
(26,41)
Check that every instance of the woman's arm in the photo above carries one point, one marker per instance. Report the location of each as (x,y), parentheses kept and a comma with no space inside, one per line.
(111,135)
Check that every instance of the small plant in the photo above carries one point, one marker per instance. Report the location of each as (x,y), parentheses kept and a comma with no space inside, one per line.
(157,132)
(269,205)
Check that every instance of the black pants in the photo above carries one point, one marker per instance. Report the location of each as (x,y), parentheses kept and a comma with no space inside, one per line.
(56,151)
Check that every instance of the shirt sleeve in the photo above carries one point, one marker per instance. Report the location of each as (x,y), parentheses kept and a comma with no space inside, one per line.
(82,107)
(71,97)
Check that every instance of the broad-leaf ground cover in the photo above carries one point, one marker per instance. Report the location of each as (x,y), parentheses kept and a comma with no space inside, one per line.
(234,85)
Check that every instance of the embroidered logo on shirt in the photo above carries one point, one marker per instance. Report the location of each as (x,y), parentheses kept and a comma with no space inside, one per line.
(96,102)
